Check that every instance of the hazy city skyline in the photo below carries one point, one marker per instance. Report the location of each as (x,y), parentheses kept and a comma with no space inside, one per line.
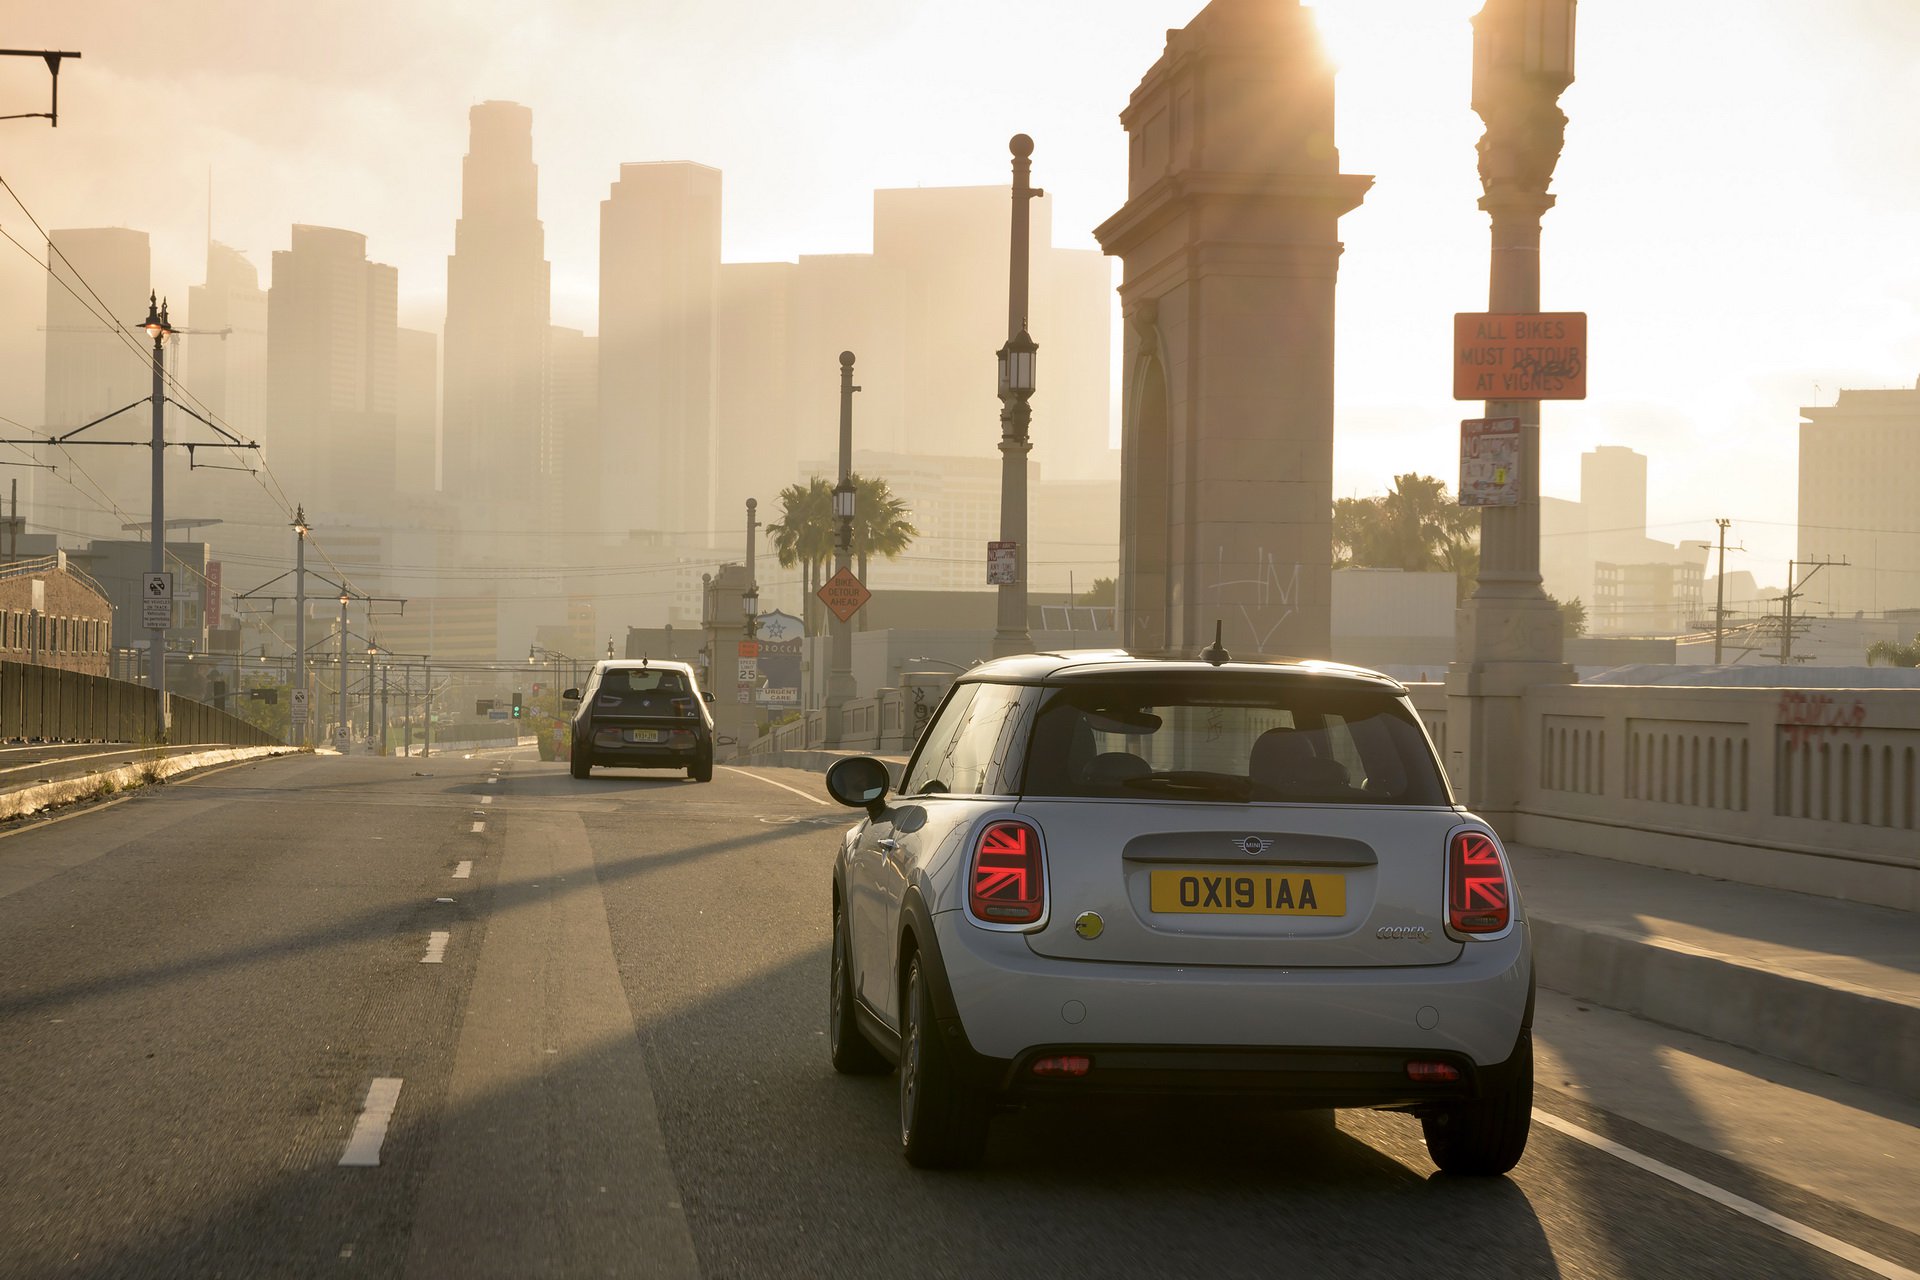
(1670,203)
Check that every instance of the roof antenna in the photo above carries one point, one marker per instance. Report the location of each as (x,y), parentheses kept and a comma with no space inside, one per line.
(1216,653)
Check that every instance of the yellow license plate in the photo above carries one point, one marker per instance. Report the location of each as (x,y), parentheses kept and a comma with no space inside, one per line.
(1249,893)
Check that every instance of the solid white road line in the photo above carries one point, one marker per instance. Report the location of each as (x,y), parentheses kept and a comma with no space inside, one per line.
(463,872)
(1786,1226)
(370,1130)
(436,947)
(770,782)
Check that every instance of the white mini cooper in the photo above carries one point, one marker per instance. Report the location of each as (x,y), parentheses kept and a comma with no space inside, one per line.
(1108,874)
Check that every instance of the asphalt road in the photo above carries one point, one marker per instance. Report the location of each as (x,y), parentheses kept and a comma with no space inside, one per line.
(615,1066)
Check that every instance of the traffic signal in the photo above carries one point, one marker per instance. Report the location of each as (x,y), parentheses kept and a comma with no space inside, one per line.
(516,704)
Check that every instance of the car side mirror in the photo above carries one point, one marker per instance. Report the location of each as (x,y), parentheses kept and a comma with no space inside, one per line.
(860,782)
(571,695)
(707,696)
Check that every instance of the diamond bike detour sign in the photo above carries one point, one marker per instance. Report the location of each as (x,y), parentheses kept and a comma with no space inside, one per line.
(1520,357)
(844,594)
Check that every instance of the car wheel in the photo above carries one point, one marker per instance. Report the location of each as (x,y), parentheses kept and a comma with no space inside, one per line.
(942,1125)
(580,761)
(852,1053)
(701,770)
(1486,1136)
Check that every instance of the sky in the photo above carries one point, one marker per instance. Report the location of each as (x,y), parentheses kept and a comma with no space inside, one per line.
(1735,213)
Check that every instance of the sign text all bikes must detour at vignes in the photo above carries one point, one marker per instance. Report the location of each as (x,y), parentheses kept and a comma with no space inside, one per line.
(1520,357)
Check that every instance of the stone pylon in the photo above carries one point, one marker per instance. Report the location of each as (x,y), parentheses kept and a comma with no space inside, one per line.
(1230,242)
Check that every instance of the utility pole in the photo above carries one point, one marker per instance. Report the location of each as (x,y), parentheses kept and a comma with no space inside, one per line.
(426,733)
(344,733)
(1016,364)
(1720,594)
(300,531)
(840,686)
(158,328)
(1793,591)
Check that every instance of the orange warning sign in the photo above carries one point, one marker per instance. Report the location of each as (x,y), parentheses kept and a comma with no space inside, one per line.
(1520,357)
(844,594)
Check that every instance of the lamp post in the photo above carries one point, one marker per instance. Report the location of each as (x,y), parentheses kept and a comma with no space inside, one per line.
(1510,633)
(159,329)
(300,530)
(1016,364)
(840,687)
(750,599)
(344,732)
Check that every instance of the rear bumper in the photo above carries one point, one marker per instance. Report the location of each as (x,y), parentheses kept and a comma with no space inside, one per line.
(1320,1037)
(651,755)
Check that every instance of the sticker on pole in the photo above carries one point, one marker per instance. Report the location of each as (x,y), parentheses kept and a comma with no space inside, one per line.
(843,594)
(156,601)
(1490,462)
(1003,563)
(1520,357)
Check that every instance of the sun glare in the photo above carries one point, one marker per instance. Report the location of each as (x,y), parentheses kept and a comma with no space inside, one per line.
(1359,33)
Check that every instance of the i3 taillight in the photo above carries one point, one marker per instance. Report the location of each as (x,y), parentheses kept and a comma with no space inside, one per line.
(684,707)
(1006,883)
(1479,894)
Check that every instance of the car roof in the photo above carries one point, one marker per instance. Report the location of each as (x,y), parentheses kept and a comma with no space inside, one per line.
(636,664)
(1069,664)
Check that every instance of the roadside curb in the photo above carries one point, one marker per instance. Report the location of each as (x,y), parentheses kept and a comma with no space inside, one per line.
(814,761)
(31,800)
(1869,1037)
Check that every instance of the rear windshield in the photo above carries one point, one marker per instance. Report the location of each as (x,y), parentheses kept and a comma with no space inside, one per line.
(642,689)
(1234,740)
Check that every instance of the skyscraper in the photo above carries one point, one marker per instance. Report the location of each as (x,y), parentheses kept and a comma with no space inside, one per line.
(417,412)
(659,280)
(498,311)
(573,429)
(224,366)
(91,371)
(1858,459)
(332,352)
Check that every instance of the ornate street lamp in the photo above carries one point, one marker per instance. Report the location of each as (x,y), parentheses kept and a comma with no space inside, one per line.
(1016,360)
(1017,364)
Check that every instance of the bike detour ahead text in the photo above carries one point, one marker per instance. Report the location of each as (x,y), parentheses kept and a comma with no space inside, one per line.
(1520,357)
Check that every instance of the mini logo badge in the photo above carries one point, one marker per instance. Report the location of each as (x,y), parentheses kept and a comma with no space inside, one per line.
(1252,846)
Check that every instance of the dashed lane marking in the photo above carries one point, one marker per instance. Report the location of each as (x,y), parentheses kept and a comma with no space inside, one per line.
(370,1130)
(464,871)
(436,947)
(1739,1204)
(486,799)
(770,782)
(478,827)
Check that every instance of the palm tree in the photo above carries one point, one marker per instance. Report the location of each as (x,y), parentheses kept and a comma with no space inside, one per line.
(1894,654)
(880,523)
(1417,527)
(803,535)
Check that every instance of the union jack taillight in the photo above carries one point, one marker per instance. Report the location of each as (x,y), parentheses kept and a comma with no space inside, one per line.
(1006,883)
(1479,896)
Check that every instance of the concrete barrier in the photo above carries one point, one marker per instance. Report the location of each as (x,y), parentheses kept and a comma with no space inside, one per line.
(49,795)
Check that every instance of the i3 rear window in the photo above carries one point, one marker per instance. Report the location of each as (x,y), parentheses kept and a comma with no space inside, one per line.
(1230,739)
(642,689)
